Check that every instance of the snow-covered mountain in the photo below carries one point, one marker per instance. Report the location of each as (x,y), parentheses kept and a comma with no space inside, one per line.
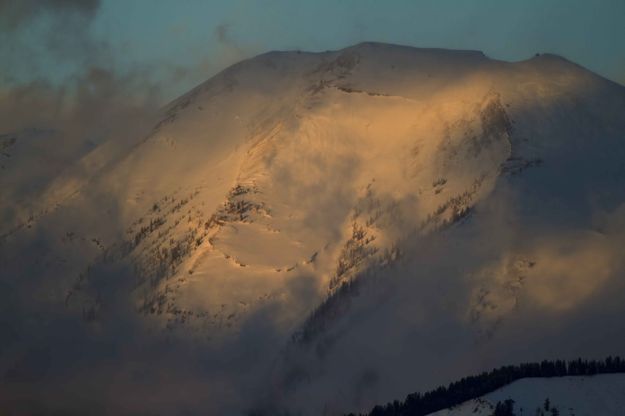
(349,225)
(579,396)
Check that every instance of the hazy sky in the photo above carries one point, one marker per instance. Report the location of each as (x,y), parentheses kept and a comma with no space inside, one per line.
(184,42)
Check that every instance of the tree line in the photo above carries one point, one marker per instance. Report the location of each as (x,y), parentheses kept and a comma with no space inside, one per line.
(468,388)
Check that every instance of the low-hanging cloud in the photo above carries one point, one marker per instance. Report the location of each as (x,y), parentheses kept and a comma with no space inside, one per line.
(16,13)
(52,119)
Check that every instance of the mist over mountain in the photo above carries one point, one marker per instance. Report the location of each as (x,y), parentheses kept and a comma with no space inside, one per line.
(316,233)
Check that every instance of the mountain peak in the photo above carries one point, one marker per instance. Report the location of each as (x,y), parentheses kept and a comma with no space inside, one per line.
(415,49)
(318,197)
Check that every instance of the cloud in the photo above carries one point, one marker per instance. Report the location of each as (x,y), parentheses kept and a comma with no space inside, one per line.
(41,36)
(230,49)
(564,267)
(54,126)
(14,14)
(221,33)
(553,274)
(63,95)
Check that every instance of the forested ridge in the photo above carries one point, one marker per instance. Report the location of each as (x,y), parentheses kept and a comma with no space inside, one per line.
(472,387)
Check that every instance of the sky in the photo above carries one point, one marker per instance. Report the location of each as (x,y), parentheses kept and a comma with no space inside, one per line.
(177,44)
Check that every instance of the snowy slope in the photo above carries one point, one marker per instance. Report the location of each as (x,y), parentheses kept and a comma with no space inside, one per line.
(579,396)
(361,215)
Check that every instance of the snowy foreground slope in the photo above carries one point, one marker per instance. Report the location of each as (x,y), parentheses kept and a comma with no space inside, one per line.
(320,232)
(580,396)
